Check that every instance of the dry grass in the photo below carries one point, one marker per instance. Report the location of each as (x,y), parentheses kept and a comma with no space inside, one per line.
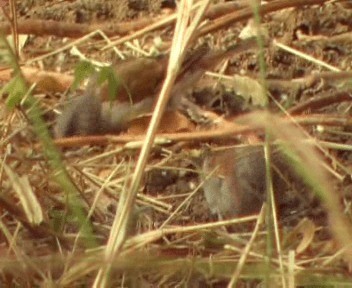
(86,217)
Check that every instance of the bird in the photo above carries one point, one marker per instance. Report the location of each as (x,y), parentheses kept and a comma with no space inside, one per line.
(234,181)
(141,80)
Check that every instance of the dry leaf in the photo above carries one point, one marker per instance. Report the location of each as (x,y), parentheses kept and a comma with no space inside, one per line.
(252,29)
(47,81)
(171,122)
(301,236)
(28,199)
(250,89)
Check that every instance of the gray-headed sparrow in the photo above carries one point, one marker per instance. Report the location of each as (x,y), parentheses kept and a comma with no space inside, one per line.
(141,80)
(235,181)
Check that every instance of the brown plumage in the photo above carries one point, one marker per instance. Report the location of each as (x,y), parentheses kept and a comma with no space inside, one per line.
(236,186)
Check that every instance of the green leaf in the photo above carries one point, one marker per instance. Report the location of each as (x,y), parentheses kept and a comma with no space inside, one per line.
(16,89)
(83,70)
(108,73)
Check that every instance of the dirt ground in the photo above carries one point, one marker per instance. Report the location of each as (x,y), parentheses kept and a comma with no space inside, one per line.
(313,88)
